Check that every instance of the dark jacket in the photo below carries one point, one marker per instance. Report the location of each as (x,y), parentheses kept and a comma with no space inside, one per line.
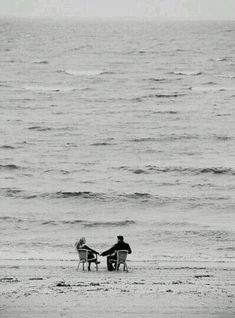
(117,247)
(91,252)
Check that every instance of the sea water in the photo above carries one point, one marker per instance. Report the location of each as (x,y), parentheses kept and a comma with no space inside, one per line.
(117,128)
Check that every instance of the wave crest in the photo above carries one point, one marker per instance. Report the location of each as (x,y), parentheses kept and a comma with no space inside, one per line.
(184,170)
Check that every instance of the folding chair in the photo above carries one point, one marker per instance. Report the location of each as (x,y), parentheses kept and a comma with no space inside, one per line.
(83,258)
(121,259)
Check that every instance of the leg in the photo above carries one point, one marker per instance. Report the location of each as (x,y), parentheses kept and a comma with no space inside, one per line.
(78,266)
(109,263)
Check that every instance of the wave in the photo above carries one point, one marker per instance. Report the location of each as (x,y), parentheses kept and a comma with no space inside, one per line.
(163,112)
(40,62)
(175,137)
(114,223)
(223,138)
(212,89)
(137,195)
(143,139)
(220,59)
(79,194)
(226,76)
(152,79)
(185,170)
(7,147)
(50,88)
(11,219)
(187,73)
(9,167)
(144,97)
(88,73)
(105,197)
(102,144)
(39,128)
(170,95)
(171,137)
(84,223)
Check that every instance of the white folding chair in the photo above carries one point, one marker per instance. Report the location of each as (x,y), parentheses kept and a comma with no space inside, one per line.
(121,259)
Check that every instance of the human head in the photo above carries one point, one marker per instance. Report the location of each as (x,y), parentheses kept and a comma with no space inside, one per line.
(79,243)
(120,238)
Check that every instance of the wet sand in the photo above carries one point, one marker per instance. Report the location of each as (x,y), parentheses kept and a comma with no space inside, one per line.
(147,290)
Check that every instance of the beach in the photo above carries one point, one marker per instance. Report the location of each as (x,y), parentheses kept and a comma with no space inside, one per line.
(117,127)
(152,290)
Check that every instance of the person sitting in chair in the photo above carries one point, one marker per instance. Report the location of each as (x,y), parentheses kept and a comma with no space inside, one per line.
(111,253)
(92,254)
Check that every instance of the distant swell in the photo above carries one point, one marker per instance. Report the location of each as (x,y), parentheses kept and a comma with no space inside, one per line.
(160,138)
(7,147)
(41,62)
(187,73)
(84,223)
(163,112)
(91,73)
(39,128)
(79,194)
(101,144)
(183,170)
(9,167)
(117,223)
(150,96)
(157,79)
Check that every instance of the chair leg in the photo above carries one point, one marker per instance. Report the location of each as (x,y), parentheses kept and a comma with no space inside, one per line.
(83,266)
(125,266)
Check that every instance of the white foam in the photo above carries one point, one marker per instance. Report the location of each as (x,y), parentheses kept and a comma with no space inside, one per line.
(188,73)
(83,73)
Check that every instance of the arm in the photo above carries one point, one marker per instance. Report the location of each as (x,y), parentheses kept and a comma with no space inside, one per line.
(110,251)
(129,249)
(90,249)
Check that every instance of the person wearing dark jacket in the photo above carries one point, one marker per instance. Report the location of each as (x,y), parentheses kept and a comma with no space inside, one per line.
(111,253)
(91,253)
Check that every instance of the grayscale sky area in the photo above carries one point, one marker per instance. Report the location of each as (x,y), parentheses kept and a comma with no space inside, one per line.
(196,9)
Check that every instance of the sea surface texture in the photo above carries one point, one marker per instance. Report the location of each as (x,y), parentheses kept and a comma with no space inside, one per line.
(117,128)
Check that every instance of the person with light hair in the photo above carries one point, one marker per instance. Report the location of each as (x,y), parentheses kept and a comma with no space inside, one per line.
(92,254)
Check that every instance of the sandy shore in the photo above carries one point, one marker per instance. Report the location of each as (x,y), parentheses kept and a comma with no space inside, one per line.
(30,289)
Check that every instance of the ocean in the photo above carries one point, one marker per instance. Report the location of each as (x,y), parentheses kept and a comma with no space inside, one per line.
(113,128)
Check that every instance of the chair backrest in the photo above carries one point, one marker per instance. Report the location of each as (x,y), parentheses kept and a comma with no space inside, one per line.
(83,255)
(122,255)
